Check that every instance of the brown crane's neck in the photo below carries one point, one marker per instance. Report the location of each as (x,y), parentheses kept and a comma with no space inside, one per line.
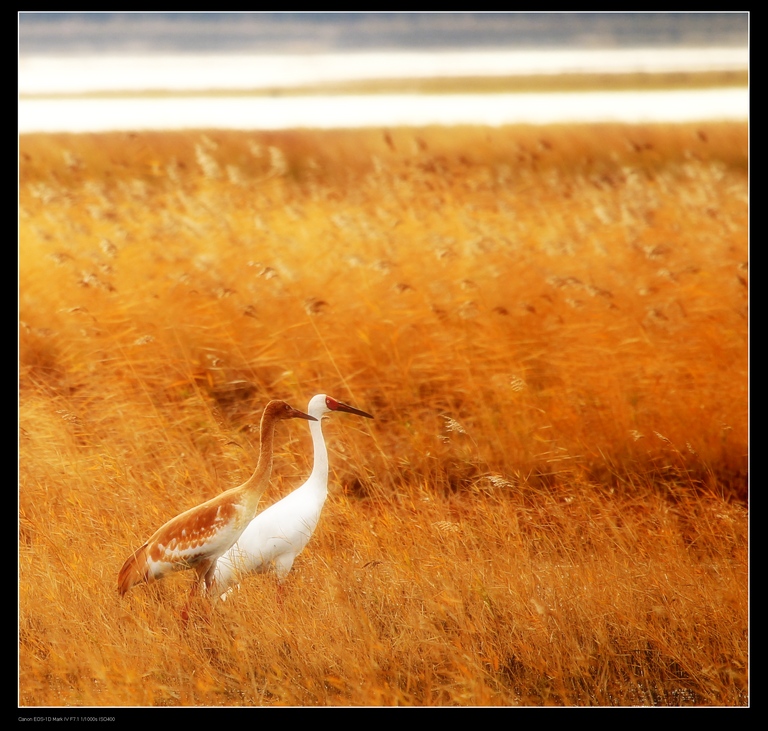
(259,480)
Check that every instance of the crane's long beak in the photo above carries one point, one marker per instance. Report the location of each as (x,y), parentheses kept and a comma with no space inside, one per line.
(352,410)
(301,415)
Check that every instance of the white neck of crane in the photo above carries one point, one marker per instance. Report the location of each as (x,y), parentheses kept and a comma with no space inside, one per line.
(320,464)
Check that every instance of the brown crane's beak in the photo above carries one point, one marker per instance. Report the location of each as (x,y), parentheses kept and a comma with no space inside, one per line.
(301,415)
(281,410)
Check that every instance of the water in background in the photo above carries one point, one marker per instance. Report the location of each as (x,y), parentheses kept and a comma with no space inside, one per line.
(323,32)
(225,63)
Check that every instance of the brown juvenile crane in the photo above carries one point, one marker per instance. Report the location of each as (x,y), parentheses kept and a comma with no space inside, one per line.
(197,537)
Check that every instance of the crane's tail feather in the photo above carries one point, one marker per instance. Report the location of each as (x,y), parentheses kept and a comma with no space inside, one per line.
(134,570)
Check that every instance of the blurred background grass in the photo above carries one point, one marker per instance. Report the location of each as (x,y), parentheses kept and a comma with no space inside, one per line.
(551,328)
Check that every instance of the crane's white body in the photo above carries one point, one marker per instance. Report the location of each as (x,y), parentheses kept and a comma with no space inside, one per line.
(278,534)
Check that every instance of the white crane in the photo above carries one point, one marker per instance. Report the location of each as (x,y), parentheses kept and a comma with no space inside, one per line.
(278,534)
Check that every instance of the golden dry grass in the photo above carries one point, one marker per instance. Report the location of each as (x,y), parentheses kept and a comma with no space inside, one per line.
(551,328)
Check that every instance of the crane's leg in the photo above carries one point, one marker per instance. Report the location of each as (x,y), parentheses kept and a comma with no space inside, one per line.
(282,569)
(209,578)
(280,593)
(199,587)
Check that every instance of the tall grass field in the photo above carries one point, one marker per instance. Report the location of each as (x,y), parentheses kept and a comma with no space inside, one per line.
(550,326)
